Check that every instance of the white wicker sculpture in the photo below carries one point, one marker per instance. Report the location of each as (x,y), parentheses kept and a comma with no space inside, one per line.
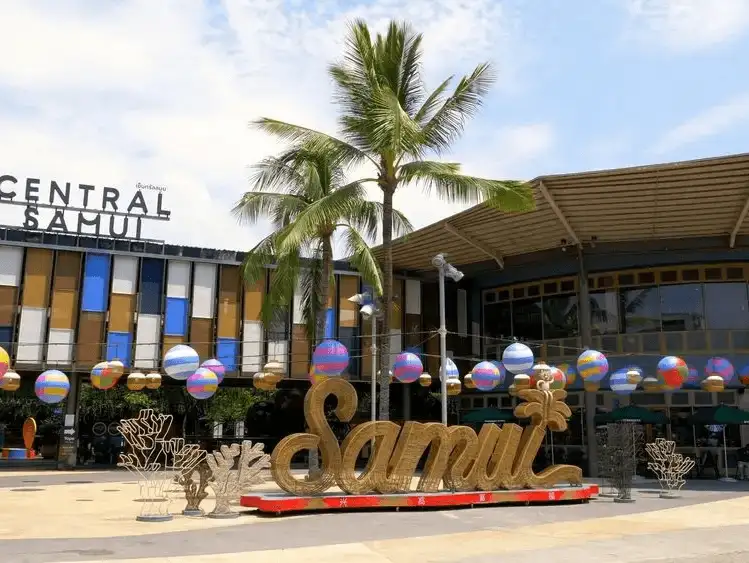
(229,484)
(668,466)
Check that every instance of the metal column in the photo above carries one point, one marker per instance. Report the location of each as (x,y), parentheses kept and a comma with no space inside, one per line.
(586,336)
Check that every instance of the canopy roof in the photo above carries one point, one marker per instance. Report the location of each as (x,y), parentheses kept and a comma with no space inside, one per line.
(632,413)
(697,198)
(722,414)
(488,414)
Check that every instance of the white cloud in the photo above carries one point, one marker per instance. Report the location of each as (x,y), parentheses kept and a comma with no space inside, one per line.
(119,92)
(711,122)
(689,25)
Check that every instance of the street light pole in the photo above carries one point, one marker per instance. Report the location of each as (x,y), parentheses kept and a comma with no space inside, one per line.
(368,310)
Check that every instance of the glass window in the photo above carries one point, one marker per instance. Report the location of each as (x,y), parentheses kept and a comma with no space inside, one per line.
(604,312)
(527,319)
(560,316)
(726,306)
(640,309)
(497,320)
(682,307)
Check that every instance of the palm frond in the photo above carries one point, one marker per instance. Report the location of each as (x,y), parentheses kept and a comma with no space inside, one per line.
(366,217)
(257,260)
(279,207)
(433,101)
(360,256)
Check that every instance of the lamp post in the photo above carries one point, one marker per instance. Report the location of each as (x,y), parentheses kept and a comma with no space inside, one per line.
(369,310)
(444,269)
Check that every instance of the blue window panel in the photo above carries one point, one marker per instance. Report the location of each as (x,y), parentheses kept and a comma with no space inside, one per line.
(95,293)
(152,286)
(6,339)
(227,352)
(119,345)
(175,317)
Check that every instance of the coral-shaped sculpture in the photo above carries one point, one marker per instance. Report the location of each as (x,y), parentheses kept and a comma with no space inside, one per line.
(229,484)
(189,464)
(668,466)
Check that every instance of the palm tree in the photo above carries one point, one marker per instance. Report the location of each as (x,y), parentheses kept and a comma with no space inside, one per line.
(390,122)
(305,194)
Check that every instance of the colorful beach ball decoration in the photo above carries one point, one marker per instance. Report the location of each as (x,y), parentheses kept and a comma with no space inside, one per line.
(451,370)
(569,373)
(216,367)
(10,381)
(720,367)
(136,381)
(153,380)
(502,370)
(180,362)
(330,358)
(620,382)
(4,361)
(485,376)
(672,372)
(425,380)
(407,367)
(517,358)
(202,384)
(693,378)
(744,375)
(559,379)
(592,366)
(52,386)
(103,377)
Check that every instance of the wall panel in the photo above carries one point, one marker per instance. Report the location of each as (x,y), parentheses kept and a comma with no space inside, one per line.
(201,337)
(11,265)
(396,324)
(95,289)
(204,291)
(177,304)
(37,278)
(348,322)
(150,308)
(90,349)
(122,309)
(229,303)
(31,329)
(8,304)
(227,352)
(278,335)
(300,345)
(64,308)
(32,326)
(412,333)
(147,338)
(253,346)
(151,299)
(11,271)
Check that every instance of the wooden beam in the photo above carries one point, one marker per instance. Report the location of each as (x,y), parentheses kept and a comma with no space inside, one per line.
(559,214)
(739,222)
(476,244)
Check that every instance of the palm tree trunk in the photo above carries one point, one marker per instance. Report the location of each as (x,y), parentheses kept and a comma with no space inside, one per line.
(387,302)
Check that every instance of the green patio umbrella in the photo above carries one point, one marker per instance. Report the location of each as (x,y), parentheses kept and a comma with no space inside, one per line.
(632,413)
(488,414)
(722,415)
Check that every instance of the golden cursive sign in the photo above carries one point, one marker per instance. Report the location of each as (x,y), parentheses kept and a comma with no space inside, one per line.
(457,459)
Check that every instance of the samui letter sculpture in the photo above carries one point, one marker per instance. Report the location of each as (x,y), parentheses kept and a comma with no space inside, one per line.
(458,458)
(227,483)
(668,466)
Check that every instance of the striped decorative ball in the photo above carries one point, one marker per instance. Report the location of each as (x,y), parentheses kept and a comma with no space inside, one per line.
(202,384)
(744,375)
(502,371)
(672,372)
(4,361)
(180,362)
(451,370)
(720,367)
(216,367)
(592,366)
(620,383)
(569,373)
(693,378)
(407,367)
(52,386)
(486,376)
(103,377)
(10,381)
(136,381)
(559,379)
(517,358)
(153,381)
(330,358)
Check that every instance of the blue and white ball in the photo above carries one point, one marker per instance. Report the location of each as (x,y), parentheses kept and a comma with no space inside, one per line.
(517,358)
(451,370)
(180,362)
(620,382)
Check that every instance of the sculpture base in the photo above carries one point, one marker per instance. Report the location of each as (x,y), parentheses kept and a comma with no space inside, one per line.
(197,512)
(223,515)
(154,518)
(278,503)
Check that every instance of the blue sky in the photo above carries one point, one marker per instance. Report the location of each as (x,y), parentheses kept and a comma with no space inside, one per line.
(127,91)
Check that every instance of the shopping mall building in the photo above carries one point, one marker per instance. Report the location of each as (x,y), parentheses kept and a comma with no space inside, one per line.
(637,263)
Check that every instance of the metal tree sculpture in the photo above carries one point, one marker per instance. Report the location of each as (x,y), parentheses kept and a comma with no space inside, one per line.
(621,452)
(227,483)
(668,466)
(146,458)
(189,463)
(605,462)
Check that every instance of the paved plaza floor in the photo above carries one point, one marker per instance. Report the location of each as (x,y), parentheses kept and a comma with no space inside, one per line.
(90,516)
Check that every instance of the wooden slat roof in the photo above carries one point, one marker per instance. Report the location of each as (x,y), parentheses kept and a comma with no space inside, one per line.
(677,200)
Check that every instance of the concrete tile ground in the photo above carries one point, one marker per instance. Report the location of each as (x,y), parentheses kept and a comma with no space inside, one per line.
(95,522)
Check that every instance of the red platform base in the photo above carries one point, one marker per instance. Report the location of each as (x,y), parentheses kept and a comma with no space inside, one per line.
(278,503)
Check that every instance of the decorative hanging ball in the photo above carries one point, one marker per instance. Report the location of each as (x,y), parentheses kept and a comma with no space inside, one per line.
(713,384)
(521,381)
(539,372)
(425,380)
(451,370)
(153,380)
(315,377)
(180,362)
(502,370)
(258,380)
(569,373)
(591,386)
(693,378)
(136,381)
(453,387)
(52,386)
(10,381)
(634,374)
(202,384)
(592,366)
(720,367)
(102,376)
(620,382)
(672,372)
(559,379)
(4,362)
(216,367)
(744,375)
(486,376)
(517,358)
(330,358)
(468,382)
(407,367)
(651,384)
(274,372)
(117,368)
